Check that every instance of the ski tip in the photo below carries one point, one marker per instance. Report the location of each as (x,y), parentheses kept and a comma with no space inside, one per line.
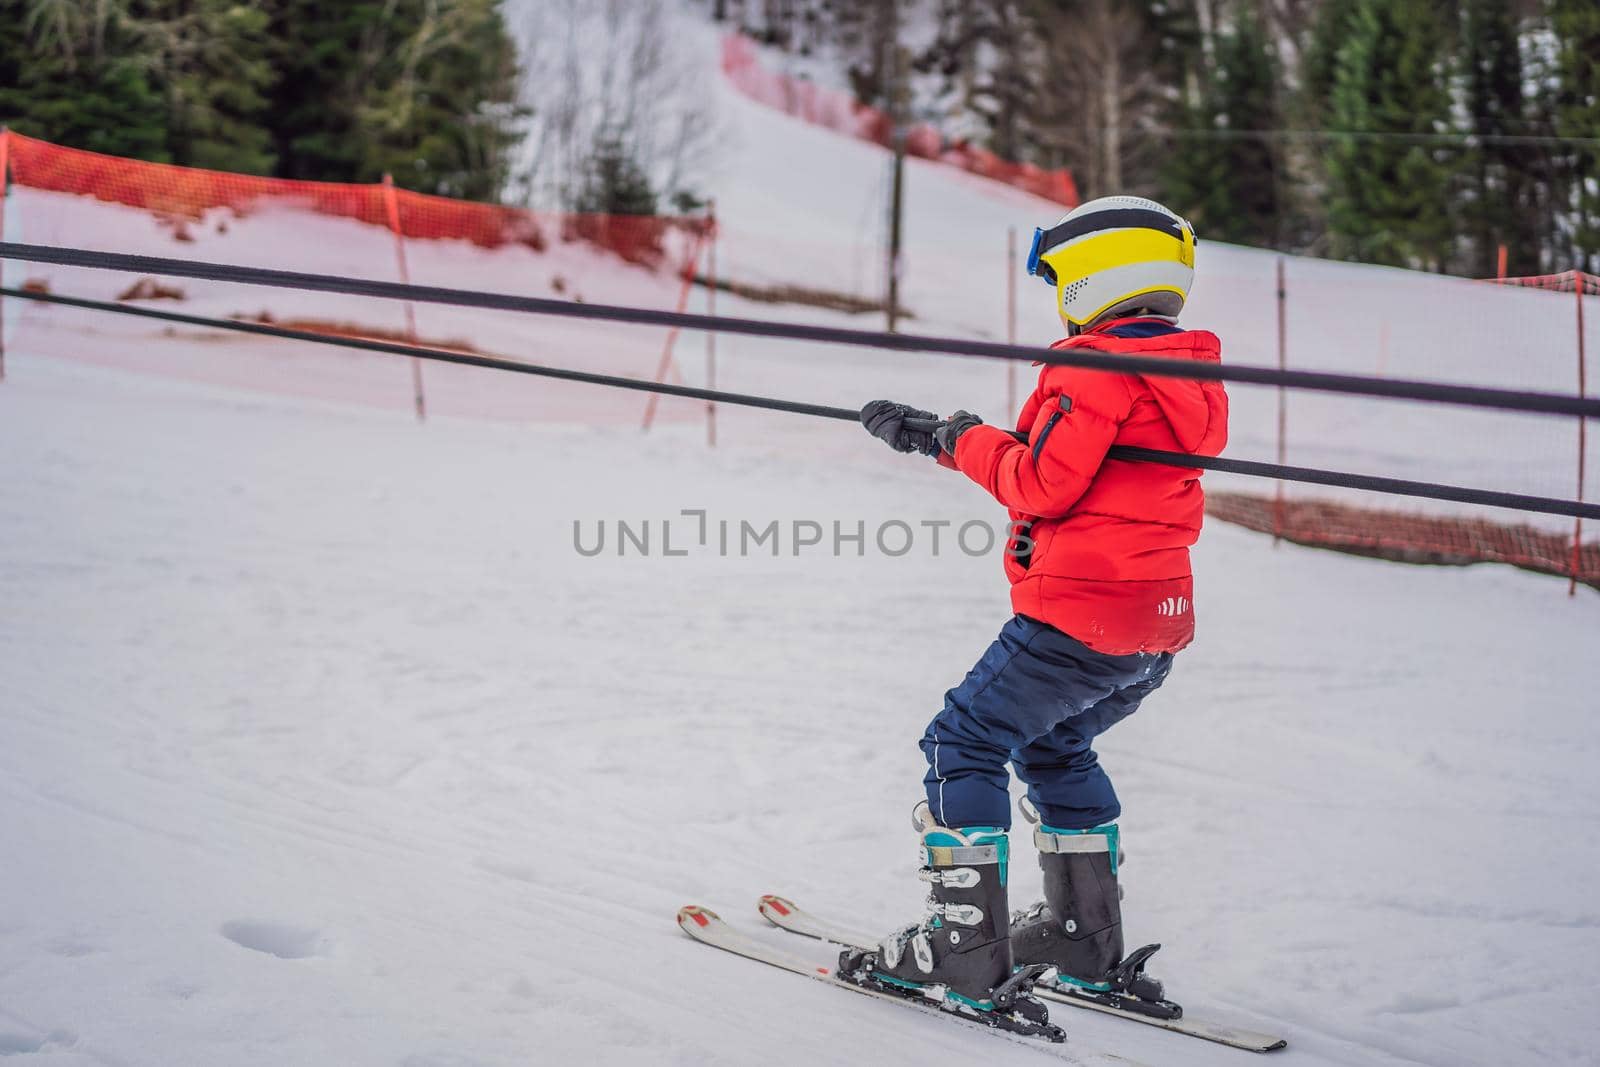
(772,903)
(694,913)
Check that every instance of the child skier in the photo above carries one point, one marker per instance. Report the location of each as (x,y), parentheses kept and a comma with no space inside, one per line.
(1101,587)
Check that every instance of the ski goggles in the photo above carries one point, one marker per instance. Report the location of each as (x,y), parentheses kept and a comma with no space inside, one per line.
(1045,242)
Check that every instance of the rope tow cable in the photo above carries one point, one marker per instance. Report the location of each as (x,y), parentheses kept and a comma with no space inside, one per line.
(1322,381)
(1309,475)
(442,355)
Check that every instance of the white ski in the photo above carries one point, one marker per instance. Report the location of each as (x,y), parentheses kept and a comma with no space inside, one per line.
(786,915)
(705,926)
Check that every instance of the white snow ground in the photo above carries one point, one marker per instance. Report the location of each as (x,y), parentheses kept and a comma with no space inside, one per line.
(320,742)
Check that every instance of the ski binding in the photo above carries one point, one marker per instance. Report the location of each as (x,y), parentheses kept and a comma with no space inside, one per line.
(1126,1004)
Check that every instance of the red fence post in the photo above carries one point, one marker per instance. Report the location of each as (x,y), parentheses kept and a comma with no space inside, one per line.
(5,190)
(391,202)
(667,362)
(1580,281)
(711,309)
(1011,319)
(1283,403)
(1500,264)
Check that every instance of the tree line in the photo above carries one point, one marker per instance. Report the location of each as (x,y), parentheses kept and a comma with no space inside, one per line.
(423,89)
(596,111)
(1421,133)
(1418,133)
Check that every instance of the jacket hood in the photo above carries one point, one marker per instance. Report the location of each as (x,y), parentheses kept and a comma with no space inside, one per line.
(1196,410)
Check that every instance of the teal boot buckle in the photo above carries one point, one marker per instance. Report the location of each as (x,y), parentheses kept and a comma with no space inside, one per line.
(918,987)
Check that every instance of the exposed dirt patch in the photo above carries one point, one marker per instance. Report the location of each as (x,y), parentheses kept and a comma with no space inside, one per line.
(797,294)
(365,333)
(150,289)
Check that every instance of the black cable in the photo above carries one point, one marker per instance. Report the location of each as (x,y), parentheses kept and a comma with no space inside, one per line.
(1373,483)
(1341,479)
(441,355)
(1351,384)
(1310,475)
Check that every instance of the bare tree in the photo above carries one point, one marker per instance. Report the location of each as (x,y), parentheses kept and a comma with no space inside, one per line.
(1102,89)
(608,73)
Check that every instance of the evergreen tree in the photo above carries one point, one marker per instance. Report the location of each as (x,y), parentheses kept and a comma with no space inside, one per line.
(1577,115)
(616,184)
(1320,62)
(423,89)
(322,51)
(447,121)
(168,80)
(211,61)
(1390,184)
(1224,170)
(70,81)
(1305,160)
(1501,176)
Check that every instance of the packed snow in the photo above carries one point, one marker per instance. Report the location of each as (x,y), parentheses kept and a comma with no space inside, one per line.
(325,741)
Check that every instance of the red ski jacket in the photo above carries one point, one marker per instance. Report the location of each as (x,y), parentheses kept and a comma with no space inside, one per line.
(1109,562)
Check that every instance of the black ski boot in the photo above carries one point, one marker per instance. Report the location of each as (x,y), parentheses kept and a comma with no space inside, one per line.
(960,954)
(1077,928)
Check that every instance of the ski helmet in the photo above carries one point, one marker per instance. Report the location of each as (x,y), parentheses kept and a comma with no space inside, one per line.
(1115,255)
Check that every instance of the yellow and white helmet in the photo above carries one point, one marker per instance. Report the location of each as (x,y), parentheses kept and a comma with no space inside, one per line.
(1115,255)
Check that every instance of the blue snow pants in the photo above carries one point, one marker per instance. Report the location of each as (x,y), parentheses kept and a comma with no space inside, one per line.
(1037,698)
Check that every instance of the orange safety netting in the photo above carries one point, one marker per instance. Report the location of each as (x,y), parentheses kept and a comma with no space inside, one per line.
(83,199)
(1523,333)
(1565,282)
(842,113)
(1410,538)
(73,198)
(182,195)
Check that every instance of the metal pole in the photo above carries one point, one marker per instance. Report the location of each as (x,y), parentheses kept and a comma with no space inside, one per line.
(1011,318)
(896,199)
(1283,402)
(668,364)
(895,78)
(391,201)
(1579,280)
(711,309)
(5,192)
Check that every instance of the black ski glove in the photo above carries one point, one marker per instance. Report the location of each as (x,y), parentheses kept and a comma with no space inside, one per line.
(885,420)
(950,431)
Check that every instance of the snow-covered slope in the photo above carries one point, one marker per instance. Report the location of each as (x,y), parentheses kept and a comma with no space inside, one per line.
(321,742)
(800,205)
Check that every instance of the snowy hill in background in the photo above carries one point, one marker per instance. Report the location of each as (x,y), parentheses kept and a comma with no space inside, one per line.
(320,742)
(801,206)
